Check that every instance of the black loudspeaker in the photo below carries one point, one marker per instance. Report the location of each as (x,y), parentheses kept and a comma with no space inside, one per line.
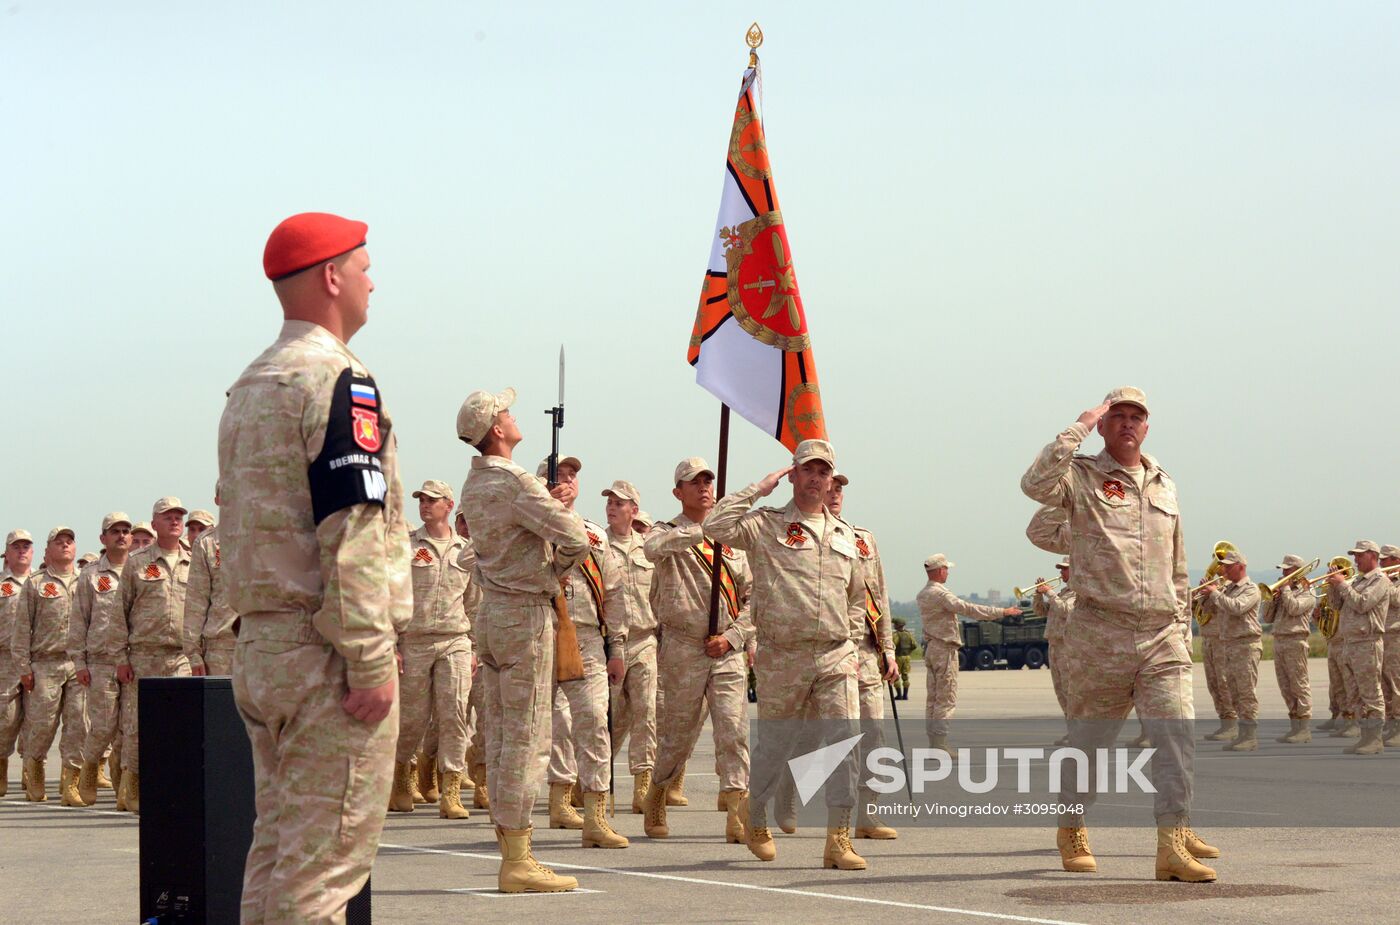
(197,806)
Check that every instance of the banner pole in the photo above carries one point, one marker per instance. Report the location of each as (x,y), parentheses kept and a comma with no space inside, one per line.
(716,550)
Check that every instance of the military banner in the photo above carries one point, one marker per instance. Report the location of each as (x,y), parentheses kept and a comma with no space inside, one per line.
(750,345)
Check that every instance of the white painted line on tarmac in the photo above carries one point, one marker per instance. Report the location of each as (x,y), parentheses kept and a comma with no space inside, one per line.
(728,884)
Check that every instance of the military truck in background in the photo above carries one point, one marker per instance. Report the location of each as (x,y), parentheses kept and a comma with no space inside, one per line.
(1007,643)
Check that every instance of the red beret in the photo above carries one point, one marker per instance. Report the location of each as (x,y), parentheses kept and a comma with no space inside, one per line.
(307,239)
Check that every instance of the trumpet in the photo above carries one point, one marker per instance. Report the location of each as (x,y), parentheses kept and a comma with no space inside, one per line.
(1209,585)
(1339,565)
(1269,592)
(1030,589)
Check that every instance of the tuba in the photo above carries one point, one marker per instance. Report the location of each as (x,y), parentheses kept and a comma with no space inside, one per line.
(1215,573)
(1329,617)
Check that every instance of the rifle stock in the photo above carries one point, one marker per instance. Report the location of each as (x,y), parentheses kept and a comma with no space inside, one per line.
(568,661)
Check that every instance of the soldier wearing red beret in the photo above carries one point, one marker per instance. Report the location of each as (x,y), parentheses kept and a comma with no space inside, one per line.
(315,553)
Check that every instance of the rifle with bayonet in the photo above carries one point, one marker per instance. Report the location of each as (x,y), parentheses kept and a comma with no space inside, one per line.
(568,661)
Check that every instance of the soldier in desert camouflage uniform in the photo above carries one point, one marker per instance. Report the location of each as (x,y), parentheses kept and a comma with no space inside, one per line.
(51,688)
(526,540)
(1056,605)
(209,638)
(1131,618)
(1236,606)
(1390,651)
(700,673)
(97,645)
(1289,612)
(807,595)
(19,552)
(1364,603)
(315,554)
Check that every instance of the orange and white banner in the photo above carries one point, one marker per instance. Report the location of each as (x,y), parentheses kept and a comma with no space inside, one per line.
(750,346)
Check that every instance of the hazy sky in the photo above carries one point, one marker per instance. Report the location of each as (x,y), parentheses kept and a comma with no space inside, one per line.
(997,211)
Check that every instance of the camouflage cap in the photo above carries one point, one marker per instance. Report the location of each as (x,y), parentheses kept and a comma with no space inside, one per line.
(1291,562)
(623,490)
(478,413)
(1063,563)
(1233,557)
(841,478)
(1390,552)
(201,516)
(937,560)
(1364,546)
(114,518)
(690,467)
(88,557)
(168,503)
(56,532)
(542,470)
(435,489)
(808,450)
(143,527)
(18,536)
(1127,395)
(900,622)
(644,519)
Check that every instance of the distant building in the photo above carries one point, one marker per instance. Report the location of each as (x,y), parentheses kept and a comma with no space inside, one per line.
(994,596)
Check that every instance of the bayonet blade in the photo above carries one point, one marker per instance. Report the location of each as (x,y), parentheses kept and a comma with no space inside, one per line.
(561,375)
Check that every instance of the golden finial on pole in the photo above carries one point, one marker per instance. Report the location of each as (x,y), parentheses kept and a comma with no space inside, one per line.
(755,38)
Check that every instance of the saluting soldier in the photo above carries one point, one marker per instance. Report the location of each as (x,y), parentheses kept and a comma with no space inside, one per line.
(1289,612)
(700,673)
(51,689)
(1236,607)
(1364,602)
(939,609)
(527,541)
(634,700)
(209,636)
(1131,617)
(97,645)
(19,553)
(315,552)
(807,594)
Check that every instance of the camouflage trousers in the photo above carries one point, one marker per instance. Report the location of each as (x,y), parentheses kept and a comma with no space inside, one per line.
(1148,668)
(1390,672)
(515,639)
(57,696)
(696,684)
(798,687)
(150,663)
(1241,674)
(871,684)
(322,778)
(903,662)
(11,705)
(437,678)
(1213,660)
(941,685)
(476,729)
(1337,701)
(580,749)
(634,705)
(1291,670)
(218,656)
(1058,655)
(104,712)
(1361,673)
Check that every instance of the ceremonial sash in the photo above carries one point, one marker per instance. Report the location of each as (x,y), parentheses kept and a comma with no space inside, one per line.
(593,577)
(872,615)
(704,551)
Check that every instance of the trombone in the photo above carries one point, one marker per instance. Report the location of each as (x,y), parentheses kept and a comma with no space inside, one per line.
(1030,589)
(1269,592)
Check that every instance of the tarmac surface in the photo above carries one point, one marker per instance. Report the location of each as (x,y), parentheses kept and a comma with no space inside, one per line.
(59,864)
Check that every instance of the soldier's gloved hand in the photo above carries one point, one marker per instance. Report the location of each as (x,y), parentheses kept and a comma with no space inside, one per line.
(617,668)
(125,675)
(717,647)
(371,704)
(771,480)
(26,681)
(85,678)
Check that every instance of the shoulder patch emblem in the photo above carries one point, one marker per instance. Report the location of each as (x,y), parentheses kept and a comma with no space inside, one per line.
(104,583)
(795,536)
(1112,488)
(423,555)
(50,589)
(365,429)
